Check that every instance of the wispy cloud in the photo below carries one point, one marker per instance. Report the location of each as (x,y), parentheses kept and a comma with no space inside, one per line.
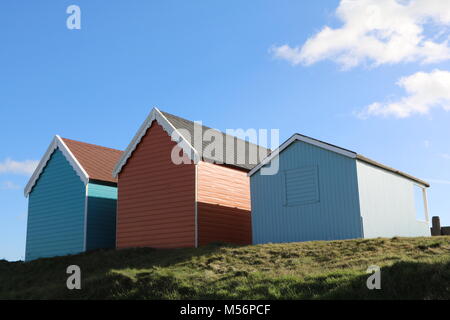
(9,185)
(378,32)
(425,91)
(445,156)
(10,166)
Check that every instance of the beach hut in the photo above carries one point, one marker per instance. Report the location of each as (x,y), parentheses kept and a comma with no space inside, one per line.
(72,199)
(319,191)
(180,188)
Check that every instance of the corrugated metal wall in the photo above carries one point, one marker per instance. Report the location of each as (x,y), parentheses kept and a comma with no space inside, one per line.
(101,217)
(387,204)
(56,211)
(223,204)
(334,216)
(156,198)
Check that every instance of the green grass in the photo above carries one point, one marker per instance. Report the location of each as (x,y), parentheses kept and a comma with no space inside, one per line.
(411,268)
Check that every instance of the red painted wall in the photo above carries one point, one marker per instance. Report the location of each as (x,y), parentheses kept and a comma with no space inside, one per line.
(156,198)
(224,212)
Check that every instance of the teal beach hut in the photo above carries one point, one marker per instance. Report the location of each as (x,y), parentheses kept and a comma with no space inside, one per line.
(71,200)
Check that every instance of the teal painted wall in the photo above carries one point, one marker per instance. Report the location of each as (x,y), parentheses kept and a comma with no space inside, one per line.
(56,208)
(314,196)
(101,221)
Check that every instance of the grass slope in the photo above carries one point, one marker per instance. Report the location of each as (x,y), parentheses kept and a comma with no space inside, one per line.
(411,268)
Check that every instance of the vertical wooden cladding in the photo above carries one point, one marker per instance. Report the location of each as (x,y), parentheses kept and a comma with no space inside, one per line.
(156,199)
(223,204)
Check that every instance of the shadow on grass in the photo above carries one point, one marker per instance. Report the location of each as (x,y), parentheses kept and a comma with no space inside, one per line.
(403,280)
(46,278)
(168,274)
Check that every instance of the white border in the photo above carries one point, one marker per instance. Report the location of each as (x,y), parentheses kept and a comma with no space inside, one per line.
(155,114)
(306,139)
(424,201)
(85,217)
(57,142)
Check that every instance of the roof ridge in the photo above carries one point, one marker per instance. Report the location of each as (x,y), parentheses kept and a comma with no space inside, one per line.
(328,143)
(333,148)
(173,123)
(209,128)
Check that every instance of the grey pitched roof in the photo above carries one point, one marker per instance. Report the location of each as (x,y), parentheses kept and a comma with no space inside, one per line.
(231,150)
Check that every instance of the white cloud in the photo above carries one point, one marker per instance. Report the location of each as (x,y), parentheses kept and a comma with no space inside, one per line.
(9,185)
(445,156)
(26,167)
(424,92)
(378,32)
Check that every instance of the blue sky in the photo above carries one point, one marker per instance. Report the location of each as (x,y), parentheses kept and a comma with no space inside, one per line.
(231,64)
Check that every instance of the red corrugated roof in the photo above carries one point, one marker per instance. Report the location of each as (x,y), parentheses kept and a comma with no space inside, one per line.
(97,161)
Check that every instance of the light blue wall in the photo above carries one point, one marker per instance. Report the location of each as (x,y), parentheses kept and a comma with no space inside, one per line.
(101,221)
(56,211)
(335,215)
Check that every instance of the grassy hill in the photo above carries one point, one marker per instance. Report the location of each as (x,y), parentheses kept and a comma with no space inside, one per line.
(411,268)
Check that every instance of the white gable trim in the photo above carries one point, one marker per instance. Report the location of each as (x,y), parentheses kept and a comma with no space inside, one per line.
(306,139)
(155,114)
(56,143)
(86,206)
